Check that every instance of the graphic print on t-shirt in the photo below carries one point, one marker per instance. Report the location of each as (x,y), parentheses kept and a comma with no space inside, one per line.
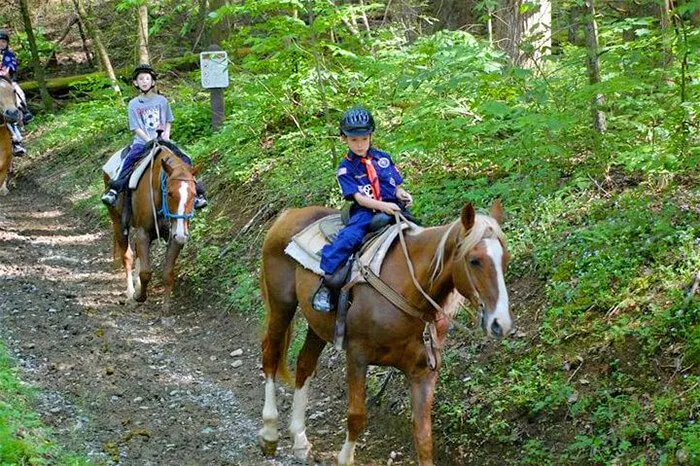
(150,117)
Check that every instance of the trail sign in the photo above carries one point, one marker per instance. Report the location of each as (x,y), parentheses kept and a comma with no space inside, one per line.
(214,67)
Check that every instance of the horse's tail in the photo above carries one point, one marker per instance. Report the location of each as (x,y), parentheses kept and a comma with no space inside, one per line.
(283,372)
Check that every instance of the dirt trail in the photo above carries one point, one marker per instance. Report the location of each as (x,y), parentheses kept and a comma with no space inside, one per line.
(129,385)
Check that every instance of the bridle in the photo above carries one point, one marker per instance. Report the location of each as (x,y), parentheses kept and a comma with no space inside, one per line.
(164,210)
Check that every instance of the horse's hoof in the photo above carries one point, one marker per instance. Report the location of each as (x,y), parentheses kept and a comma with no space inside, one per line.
(140,297)
(4,191)
(302,453)
(269,447)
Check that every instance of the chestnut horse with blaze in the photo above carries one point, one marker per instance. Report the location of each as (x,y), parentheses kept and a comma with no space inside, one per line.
(466,258)
(8,114)
(161,205)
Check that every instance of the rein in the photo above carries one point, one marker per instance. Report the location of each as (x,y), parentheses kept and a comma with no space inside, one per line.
(429,331)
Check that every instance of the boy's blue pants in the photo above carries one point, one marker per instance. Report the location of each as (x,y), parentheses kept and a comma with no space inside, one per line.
(136,153)
(349,239)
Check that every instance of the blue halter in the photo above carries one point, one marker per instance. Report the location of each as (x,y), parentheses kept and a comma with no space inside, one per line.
(164,211)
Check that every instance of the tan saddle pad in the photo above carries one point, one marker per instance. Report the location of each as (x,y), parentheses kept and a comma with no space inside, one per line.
(305,247)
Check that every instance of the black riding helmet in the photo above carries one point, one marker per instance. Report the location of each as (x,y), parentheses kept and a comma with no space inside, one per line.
(144,68)
(357,121)
(4,35)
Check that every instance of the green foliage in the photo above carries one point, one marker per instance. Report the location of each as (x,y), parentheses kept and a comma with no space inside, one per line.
(607,223)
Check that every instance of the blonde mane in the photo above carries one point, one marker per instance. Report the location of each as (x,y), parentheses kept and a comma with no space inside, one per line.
(484,227)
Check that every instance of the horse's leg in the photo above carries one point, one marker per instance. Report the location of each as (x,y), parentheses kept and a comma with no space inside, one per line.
(422,392)
(357,409)
(4,171)
(143,247)
(279,294)
(173,252)
(306,366)
(128,261)
(120,243)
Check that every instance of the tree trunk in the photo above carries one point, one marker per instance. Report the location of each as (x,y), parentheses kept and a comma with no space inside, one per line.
(83,39)
(593,65)
(36,60)
(220,31)
(203,37)
(666,32)
(101,50)
(143,34)
(452,14)
(524,36)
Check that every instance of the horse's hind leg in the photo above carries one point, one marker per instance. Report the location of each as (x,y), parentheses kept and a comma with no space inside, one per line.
(277,285)
(120,243)
(143,247)
(306,366)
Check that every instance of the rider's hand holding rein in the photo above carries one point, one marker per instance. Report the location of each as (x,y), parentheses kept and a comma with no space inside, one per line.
(404,196)
(386,207)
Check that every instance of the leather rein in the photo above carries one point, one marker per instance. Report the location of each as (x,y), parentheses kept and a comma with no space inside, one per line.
(429,330)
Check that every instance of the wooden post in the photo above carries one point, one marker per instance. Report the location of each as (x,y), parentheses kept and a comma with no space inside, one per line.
(216,97)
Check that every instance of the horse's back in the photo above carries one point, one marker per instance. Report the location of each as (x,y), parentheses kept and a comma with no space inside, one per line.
(289,223)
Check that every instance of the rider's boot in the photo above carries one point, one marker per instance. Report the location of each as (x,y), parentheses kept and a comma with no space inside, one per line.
(110,198)
(322,300)
(18,150)
(200,200)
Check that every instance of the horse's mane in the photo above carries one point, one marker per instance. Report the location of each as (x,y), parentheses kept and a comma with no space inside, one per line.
(484,227)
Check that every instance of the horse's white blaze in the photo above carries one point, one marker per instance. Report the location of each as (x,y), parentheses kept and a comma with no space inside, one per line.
(347,454)
(180,232)
(297,425)
(269,431)
(495,252)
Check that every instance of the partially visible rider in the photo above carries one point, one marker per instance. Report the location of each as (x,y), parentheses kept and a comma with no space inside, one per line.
(8,69)
(149,113)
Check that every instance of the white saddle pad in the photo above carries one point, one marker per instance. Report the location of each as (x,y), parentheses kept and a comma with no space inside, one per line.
(114,164)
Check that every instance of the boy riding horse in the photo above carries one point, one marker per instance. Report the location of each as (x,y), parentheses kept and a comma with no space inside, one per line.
(149,114)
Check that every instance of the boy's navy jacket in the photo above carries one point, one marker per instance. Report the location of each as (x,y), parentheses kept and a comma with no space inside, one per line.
(9,61)
(352,175)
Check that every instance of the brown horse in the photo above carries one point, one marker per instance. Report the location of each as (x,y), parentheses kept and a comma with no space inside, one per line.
(162,205)
(467,257)
(10,115)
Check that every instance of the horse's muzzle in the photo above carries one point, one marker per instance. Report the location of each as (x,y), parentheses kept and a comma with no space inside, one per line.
(180,239)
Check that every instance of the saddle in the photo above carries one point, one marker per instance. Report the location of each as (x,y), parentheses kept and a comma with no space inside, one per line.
(305,247)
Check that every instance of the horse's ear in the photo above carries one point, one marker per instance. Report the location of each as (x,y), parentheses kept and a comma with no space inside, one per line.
(165,162)
(468,216)
(497,211)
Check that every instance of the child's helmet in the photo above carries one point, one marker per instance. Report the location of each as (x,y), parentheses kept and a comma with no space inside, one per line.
(4,35)
(144,68)
(357,121)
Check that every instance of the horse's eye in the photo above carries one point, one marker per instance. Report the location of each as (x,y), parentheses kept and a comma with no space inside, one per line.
(170,195)
(474,261)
